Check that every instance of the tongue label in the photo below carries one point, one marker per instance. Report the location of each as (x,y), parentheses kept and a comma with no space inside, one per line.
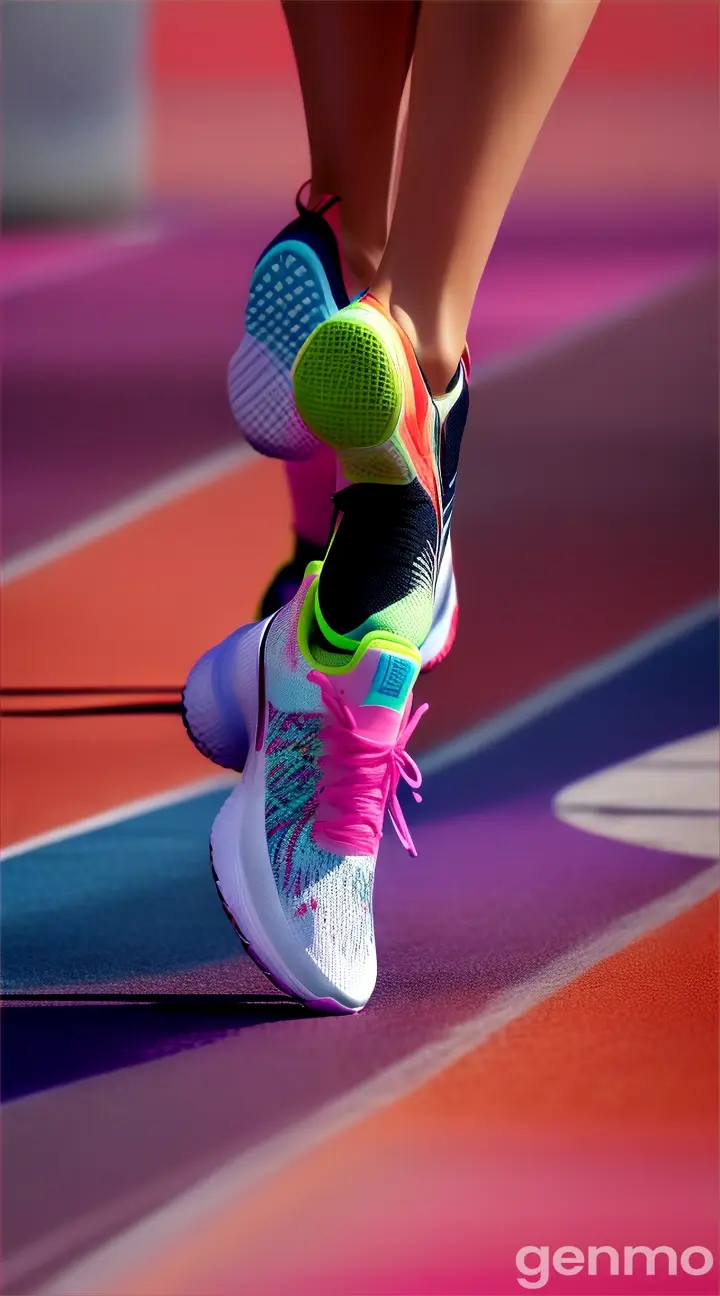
(392,682)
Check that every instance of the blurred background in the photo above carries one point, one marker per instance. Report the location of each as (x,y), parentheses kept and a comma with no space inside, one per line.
(149,152)
(126,125)
(107,106)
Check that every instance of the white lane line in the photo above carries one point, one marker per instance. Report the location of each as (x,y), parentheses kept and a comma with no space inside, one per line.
(129,810)
(547,699)
(144,1242)
(667,799)
(182,482)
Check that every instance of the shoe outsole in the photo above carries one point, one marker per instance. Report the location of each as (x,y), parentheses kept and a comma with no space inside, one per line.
(289,297)
(346,387)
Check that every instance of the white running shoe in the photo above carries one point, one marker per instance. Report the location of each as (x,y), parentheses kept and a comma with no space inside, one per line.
(322,742)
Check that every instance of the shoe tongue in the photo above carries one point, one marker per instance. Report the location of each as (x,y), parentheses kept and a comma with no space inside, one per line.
(378,688)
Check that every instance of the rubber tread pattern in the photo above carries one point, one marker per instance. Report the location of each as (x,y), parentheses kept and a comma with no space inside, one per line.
(346,388)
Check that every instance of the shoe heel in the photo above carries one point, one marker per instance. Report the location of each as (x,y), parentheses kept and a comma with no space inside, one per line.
(218,685)
(346,386)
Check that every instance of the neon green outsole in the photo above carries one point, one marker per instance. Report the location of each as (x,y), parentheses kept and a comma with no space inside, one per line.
(346,388)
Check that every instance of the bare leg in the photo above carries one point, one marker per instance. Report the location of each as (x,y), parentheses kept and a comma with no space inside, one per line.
(485,75)
(352,58)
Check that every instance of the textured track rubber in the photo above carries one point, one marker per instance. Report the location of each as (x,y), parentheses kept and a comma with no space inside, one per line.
(346,387)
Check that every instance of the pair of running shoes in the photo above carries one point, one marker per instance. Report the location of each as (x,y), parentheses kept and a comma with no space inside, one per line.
(314,702)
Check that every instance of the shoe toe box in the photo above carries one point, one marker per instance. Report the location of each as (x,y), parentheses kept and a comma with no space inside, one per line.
(331,920)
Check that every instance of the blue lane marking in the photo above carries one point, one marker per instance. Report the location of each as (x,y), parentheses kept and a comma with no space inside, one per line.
(132,899)
(137,898)
(664,697)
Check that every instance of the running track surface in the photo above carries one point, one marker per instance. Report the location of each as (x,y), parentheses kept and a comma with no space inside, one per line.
(590,1117)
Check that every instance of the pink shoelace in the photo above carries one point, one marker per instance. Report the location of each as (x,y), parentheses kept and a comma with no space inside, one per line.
(361,776)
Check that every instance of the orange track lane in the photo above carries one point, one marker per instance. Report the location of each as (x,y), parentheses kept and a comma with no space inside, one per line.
(134,607)
(592,1120)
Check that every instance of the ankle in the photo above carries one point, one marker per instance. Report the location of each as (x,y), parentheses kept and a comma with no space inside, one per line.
(438,358)
(360,262)
(361,242)
(439,367)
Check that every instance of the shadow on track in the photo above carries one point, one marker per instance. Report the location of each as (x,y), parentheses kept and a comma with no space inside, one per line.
(49,1044)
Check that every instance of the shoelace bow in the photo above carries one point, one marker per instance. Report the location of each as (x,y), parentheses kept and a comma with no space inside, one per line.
(360,776)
